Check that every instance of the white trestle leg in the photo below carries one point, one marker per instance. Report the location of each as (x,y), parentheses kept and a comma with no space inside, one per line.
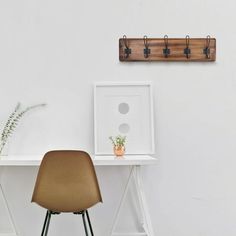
(7,224)
(135,174)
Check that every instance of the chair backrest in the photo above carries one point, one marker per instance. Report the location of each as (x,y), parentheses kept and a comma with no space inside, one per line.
(66,182)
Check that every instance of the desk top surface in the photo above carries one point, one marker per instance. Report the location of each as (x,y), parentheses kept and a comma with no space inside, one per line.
(35,160)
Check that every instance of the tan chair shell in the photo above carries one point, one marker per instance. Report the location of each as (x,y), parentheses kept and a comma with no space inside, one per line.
(66,182)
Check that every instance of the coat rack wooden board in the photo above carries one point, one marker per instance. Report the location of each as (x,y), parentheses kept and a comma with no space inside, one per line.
(177,49)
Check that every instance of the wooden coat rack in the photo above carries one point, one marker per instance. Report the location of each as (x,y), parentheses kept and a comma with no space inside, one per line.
(167,49)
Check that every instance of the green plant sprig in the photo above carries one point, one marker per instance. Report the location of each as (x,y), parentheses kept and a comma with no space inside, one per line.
(118,141)
(8,123)
(13,121)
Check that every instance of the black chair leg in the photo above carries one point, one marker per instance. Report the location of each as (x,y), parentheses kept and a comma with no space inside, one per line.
(48,222)
(89,222)
(48,218)
(85,227)
(44,224)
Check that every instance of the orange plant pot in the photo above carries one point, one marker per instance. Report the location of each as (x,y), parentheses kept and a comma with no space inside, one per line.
(119,150)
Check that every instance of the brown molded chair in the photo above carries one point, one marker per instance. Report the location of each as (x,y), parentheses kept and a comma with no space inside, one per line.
(66,182)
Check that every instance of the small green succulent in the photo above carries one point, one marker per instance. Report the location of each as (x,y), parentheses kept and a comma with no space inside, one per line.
(118,140)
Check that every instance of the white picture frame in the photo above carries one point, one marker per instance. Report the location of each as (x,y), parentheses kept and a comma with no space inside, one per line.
(124,109)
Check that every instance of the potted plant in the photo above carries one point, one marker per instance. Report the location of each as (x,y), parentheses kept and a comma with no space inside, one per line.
(118,145)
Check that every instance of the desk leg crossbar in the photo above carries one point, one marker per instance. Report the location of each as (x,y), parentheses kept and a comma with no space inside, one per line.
(135,174)
(9,214)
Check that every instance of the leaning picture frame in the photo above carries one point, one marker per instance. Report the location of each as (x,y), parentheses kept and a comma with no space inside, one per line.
(126,109)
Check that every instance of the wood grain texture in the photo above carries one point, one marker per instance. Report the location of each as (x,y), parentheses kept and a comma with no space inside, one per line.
(176,46)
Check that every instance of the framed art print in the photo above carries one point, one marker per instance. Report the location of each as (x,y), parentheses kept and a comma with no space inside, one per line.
(124,109)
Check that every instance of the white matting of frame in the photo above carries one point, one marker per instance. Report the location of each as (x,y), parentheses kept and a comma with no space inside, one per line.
(124,109)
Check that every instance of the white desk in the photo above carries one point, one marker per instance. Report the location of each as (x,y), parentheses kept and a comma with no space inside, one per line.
(134,161)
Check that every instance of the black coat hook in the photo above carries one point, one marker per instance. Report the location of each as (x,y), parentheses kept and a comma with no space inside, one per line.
(146,50)
(127,50)
(207,50)
(187,50)
(166,50)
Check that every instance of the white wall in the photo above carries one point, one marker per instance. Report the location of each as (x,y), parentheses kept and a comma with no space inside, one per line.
(52,51)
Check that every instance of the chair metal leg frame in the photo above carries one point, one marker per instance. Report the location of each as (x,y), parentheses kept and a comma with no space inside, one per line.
(48,222)
(89,222)
(85,227)
(84,221)
(45,222)
(48,218)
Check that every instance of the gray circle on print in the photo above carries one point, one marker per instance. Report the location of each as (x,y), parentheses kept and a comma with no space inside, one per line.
(123,108)
(124,128)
